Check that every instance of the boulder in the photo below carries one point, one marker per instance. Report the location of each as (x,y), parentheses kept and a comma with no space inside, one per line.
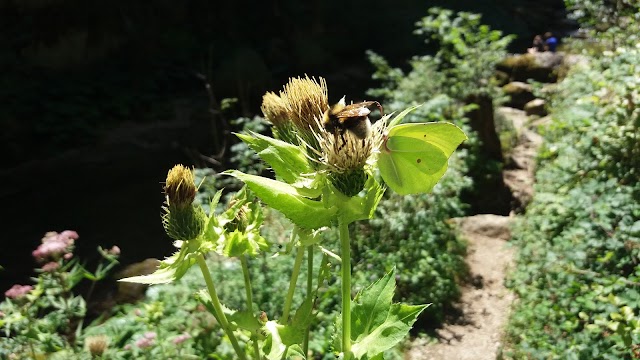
(508,118)
(131,292)
(519,93)
(539,66)
(536,107)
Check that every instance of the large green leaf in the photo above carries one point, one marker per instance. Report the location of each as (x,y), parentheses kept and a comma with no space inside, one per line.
(288,161)
(285,198)
(377,324)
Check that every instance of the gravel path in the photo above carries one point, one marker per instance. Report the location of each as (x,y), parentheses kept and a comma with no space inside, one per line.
(485,302)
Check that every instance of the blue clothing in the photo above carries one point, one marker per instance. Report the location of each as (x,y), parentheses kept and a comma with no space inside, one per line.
(551,43)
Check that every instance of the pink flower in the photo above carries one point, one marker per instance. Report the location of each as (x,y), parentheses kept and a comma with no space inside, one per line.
(18,291)
(181,338)
(146,341)
(114,250)
(50,266)
(54,244)
(68,256)
(69,234)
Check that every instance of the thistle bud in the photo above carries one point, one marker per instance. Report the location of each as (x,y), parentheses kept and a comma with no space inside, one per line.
(240,221)
(182,220)
(183,224)
(180,187)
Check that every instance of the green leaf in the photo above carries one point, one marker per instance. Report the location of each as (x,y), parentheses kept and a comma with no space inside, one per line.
(414,157)
(378,325)
(238,243)
(245,320)
(283,197)
(360,207)
(171,268)
(288,161)
(282,341)
(285,340)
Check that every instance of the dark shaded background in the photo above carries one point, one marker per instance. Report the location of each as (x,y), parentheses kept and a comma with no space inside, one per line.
(100,99)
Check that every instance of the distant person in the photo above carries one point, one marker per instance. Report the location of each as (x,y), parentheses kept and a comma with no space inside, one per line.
(550,42)
(537,46)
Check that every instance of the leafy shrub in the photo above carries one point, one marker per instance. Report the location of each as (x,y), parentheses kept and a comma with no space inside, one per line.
(49,317)
(578,271)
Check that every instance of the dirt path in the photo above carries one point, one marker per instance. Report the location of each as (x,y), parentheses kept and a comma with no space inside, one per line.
(485,302)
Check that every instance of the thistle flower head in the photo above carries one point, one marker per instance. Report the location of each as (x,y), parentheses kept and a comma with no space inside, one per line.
(97,345)
(305,100)
(276,111)
(180,187)
(345,155)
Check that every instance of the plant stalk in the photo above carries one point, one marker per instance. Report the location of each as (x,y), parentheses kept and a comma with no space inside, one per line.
(292,284)
(247,287)
(305,344)
(218,307)
(345,255)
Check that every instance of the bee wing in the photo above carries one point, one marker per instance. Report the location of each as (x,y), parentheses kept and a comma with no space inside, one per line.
(355,110)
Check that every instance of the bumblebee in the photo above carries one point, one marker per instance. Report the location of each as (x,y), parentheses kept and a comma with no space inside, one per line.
(354,118)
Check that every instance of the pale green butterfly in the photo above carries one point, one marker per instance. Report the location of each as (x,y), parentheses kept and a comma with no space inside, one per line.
(414,156)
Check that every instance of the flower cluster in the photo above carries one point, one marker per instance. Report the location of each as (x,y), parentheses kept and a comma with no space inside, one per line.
(147,340)
(18,291)
(181,338)
(55,245)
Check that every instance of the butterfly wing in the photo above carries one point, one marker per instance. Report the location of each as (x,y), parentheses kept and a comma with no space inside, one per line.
(415,156)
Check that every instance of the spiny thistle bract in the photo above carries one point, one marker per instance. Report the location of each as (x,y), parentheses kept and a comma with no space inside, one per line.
(181,219)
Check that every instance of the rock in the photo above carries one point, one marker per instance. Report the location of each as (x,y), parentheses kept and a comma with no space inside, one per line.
(130,292)
(524,155)
(509,118)
(540,66)
(489,225)
(520,93)
(536,107)
(541,122)
(501,78)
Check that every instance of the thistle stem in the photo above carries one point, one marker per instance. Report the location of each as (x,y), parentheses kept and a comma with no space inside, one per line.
(218,307)
(305,344)
(247,287)
(292,284)
(345,255)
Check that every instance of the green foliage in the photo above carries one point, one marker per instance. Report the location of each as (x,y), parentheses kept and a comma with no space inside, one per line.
(610,23)
(412,234)
(49,317)
(463,65)
(578,272)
